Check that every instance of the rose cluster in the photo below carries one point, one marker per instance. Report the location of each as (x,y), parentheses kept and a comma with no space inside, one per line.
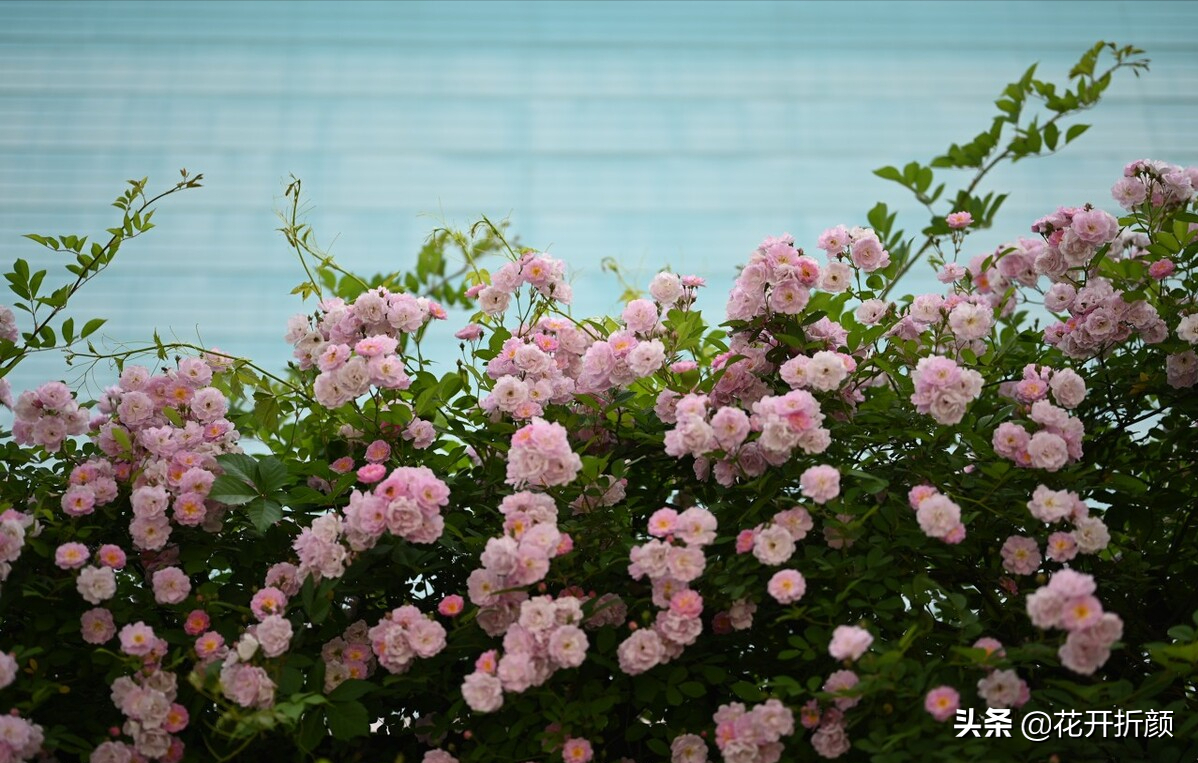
(407,504)
(20,739)
(774,543)
(1073,235)
(1181,368)
(671,568)
(943,389)
(355,345)
(777,279)
(540,456)
(164,432)
(243,683)
(152,718)
(518,558)
(1068,602)
(824,371)
(1160,183)
(403,635)
(14,527)
(753,736)
(619,360)
(937,514)
(1099,317)
(545,638)
(535,368)
(48,416)
(1067,387)
(349,655)
(543,273)
(1056,443)
(1021,555)
(319,548)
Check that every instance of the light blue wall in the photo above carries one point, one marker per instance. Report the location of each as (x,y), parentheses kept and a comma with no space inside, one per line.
(672,133)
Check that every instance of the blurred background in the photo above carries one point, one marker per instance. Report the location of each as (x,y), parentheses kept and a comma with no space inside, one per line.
(656,133)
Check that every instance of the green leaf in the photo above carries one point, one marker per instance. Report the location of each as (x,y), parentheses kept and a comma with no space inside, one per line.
(43,240)
(870,483)
(350,690)
(35,283)
(1075,131)
(312,730)
(319,607)
(17,285)
(173,416)
(658,747)
(1051,135)
(645,690)
(239,465)
(91,326)
(451,384)
(889,173)
(747,691)
(347,720)
(924,179)
(291,681)
(272,475)
(232,491)
(1181,633)
(264,512)
(122,438)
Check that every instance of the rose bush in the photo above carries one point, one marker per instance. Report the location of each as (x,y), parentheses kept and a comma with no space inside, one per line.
(818,528)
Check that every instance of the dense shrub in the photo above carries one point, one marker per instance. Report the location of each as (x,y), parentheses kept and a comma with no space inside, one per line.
(838,523)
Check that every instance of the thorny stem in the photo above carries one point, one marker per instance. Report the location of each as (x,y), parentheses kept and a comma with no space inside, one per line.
(100,263)
(985,170)
(159,349)
(297,234)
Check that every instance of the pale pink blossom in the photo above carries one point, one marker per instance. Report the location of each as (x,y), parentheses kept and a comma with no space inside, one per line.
(577,750)
(957,221)
(274,635)
(1021,555)
(268,601)
(868,254)
(787,586)
(938,516)
(849,642)
(640,651)
(1048,451)
(71,556)
(171,585)
(97,627)
(688,748)
(96,584)
(773,545)
(820,483)
(942,702)
(568,646)
(666,288)
(1002,688)
(482,692)
(137,639)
